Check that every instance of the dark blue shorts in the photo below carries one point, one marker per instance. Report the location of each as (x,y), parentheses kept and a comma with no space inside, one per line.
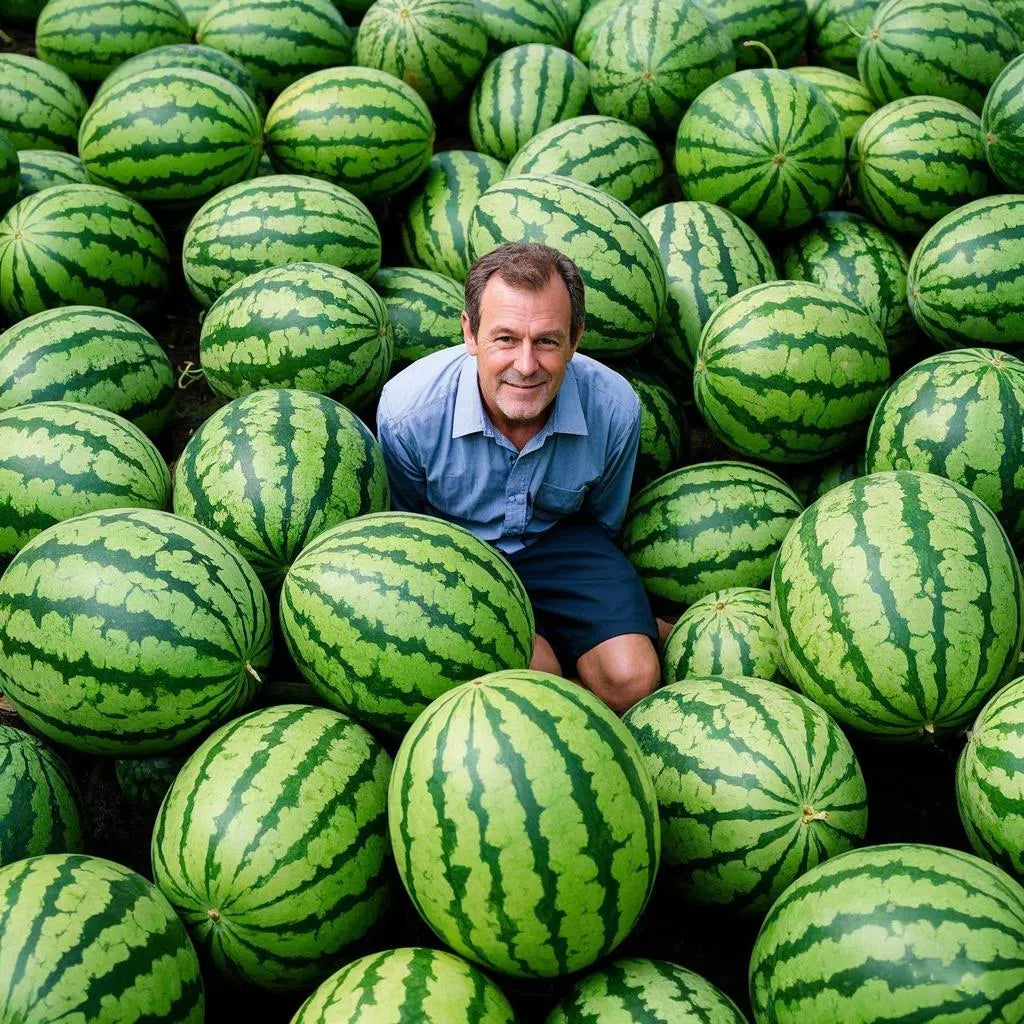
(583,589)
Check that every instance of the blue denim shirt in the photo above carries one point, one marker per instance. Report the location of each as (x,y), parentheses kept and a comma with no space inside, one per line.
(444,456)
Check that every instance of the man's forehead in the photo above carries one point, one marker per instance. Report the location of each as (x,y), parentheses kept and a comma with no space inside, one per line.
(500,297)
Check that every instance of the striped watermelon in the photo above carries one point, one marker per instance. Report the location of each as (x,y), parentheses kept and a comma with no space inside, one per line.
(898,624)
(846,253)
(848,97)
(651,58)
(40,106)
(40,805)
(960,415)
(43,168)
(329,125)
(60,459)
(515,22)
(522,92)
(609,154)
(424,309)
(917,159)
(10,172)
(766,145)
(949,48)
(787,371)
(275,220)
(705,527)
(407,985)
(436,46)
(90,355)
(755,785)
(171,135)
(145,780)
(130,631)
(272,470)
(662,992)
(729,633)
(195,57)
(709,255)
(91,941)
(891,933)
(195,11)
(433,224)
(964,284)
(589,25)
(663,439)
(625,291)
(524,823)
(87,39)
(278,41)
(987,791)
(305,325)
(81,245)
(271,844)
(779,25)
(386,612)
(810,483)
(1002,125)
(1013,12)
(834,32)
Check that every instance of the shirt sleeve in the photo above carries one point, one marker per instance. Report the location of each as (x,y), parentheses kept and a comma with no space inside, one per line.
(407,477)
(609,497)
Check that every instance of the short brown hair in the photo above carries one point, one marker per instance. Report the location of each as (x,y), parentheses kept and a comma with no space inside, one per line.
(528,265)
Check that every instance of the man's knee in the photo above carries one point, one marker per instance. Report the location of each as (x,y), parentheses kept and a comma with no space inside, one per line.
(621,670)
(544,658)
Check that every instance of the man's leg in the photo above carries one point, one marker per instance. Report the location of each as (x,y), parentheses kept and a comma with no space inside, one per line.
(621,670)
(544,658)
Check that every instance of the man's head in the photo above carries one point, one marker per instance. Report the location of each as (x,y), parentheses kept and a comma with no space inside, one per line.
(523,320)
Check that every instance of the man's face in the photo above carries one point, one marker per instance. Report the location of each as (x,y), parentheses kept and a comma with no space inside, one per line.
(522,347)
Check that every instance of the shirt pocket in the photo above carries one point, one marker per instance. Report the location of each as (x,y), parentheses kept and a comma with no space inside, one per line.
(551,502)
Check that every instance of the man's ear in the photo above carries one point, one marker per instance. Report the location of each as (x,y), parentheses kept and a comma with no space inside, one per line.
(467,334)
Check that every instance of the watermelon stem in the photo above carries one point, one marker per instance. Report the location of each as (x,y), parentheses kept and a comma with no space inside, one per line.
(190,373)
(810,814)
(761,46)
(846,24)
(5,38)
(253,673)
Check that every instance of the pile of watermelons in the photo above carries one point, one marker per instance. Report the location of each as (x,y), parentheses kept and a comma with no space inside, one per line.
(271,751)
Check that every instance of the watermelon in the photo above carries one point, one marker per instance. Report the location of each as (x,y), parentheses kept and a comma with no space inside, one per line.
(949,48)
(960,415)
(278,41)
(522,92)
(516,22)
(43,168)
(40,805)
(40,106)
(917,159)
(663,439)
(786,371)
(91,355)
(811,482)
(271,470)
(361,128)
(436,46)
(706,527)
(1002,125)
(388,611)
(605,152)
(195,11)
(748,806)
(662,992)
(433,223)
(898,625)
(189,55)
(728,633)
(406,985)
(616,256)
(129,631)
(766,145)
(779,25)
(60,459)
(834,32)
(424,309)
(271,844)
(81,245)
(272,221)
(305,325)
(651,58)
(87,39)
(524,823)
(709,255)
(963,283)
(846,253)
(10,172)
(145,780)
(890,933)
(847,96)
(589,25)
(92,941)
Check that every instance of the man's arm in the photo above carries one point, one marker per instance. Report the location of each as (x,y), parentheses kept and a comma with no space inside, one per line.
(406,475)
(608,498)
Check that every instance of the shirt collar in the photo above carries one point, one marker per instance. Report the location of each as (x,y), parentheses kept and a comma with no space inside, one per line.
(469,418)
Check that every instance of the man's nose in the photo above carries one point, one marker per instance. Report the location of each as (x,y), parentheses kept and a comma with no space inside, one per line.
(526,359)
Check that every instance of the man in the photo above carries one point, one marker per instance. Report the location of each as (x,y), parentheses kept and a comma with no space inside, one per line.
(531,445)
